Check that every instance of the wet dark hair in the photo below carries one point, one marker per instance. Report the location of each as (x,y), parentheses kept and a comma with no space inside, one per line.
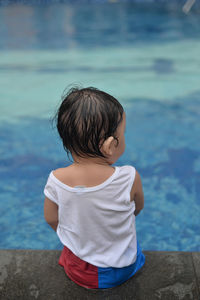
(86,118)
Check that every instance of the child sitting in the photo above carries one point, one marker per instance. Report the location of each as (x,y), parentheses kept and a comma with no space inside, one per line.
(91,204)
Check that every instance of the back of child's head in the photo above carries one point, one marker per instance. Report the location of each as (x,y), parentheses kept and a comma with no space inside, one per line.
(86,118)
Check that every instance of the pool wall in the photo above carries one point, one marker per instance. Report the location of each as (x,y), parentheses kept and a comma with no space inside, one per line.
(29,274)
(6,2)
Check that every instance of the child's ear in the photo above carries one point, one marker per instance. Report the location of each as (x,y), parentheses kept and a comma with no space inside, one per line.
(107,146)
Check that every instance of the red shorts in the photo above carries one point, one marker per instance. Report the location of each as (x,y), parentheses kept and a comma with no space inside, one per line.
(93,277)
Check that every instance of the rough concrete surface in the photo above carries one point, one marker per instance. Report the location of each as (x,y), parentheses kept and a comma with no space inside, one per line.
(35,274)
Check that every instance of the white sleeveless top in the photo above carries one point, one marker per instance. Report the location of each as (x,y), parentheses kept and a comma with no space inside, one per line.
(97,223)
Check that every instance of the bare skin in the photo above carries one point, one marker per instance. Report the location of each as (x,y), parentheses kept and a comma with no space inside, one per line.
(90,172)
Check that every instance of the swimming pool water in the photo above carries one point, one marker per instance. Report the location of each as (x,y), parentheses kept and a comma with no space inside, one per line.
(147,56)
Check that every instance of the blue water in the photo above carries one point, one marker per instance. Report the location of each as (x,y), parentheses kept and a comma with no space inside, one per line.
(146,55)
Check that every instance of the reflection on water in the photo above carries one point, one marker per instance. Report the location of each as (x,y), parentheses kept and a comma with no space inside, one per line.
(56,26)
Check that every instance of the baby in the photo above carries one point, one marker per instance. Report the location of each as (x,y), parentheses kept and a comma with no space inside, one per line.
(92,204)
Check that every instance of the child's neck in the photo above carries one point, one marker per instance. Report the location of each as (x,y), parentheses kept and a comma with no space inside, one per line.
(91,161)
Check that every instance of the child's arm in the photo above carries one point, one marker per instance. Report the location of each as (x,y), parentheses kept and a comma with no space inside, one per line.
(137,194)
(51,213)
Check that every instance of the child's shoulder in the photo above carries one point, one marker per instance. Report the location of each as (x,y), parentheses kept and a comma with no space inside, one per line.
(60,171)
(62,174)
(127,168)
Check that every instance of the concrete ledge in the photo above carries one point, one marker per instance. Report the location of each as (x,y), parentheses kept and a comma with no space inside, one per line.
(35,274)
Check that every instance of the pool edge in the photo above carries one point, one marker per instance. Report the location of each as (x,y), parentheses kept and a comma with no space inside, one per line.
(35,274)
